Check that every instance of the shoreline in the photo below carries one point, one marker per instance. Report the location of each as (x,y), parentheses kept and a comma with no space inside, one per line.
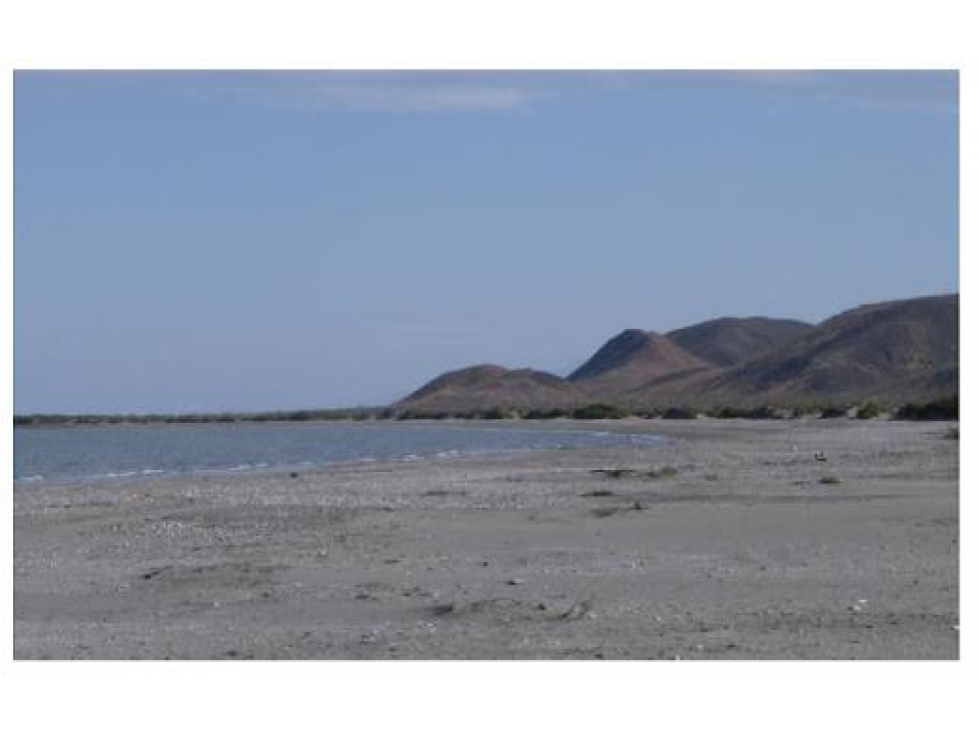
(742,552)
(119,475)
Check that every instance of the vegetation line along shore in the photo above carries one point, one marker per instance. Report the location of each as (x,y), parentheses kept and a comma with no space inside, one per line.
(940,410)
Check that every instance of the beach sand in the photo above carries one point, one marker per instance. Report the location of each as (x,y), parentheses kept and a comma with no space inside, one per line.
(729,541)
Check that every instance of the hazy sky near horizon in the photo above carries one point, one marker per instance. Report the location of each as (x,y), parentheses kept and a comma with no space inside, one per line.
(247,241)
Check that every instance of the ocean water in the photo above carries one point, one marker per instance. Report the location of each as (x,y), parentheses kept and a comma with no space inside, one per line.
(114,452)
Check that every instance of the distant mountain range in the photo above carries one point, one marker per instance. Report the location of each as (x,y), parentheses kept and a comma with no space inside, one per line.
(889,352)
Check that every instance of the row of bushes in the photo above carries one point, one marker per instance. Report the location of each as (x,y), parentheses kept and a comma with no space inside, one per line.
(762,412)
(53,419)
(942,409)
(594,411)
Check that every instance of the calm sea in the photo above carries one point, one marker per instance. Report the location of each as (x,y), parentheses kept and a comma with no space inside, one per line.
(113,452)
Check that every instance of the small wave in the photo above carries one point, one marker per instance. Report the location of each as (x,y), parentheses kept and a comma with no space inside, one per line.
(401,444)
(644,439)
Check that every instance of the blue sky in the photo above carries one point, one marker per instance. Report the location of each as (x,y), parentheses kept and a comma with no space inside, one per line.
(244,241)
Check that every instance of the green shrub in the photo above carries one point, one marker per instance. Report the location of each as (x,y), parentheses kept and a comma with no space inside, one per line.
(802,411)
(647,414)
(680,413)
(538,414)
(763,412)
(726,412)
(494,414)
(869,410)
(412,415)
(597,411)
(943,409)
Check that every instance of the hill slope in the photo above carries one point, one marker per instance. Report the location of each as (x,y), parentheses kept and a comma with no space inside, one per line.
(727,342)
(487,387)
(630,359)
(894,350)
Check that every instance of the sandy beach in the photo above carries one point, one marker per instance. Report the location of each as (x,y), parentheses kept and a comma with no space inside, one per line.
(729,541)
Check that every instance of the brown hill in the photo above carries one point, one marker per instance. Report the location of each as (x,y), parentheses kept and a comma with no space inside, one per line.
(897,350)
(488,387)
(630,359)
(727,342)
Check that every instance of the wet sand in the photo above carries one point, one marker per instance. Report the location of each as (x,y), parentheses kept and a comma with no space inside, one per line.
(729,541)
